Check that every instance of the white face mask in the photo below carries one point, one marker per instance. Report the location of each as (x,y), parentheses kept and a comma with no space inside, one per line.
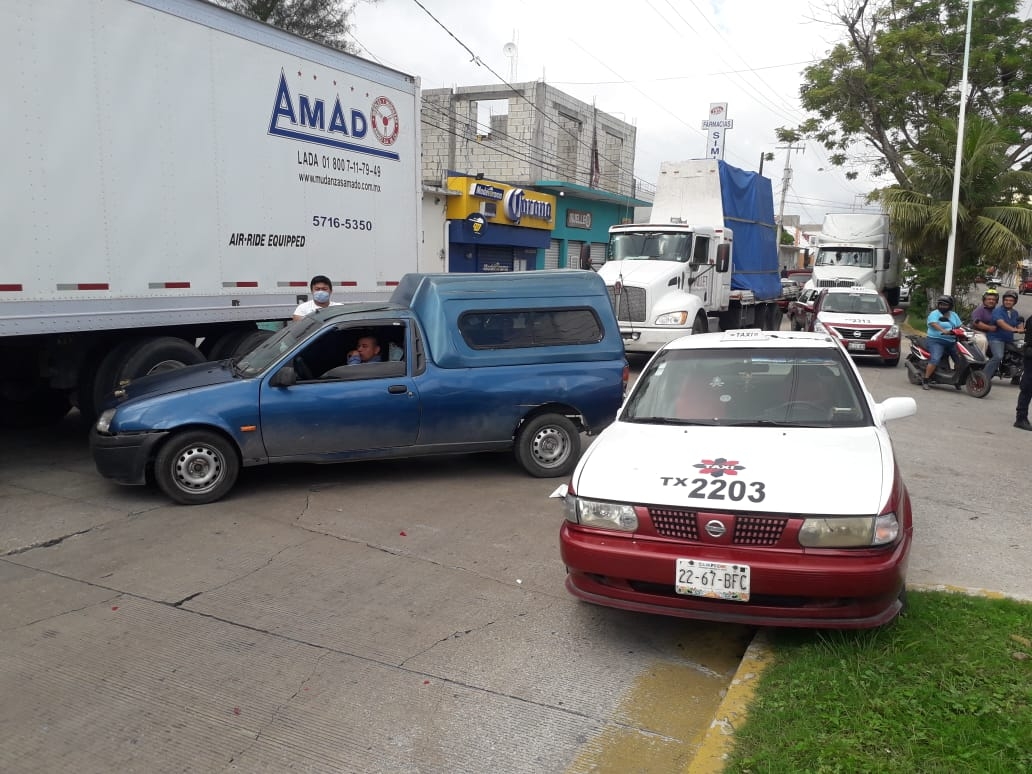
(321,296)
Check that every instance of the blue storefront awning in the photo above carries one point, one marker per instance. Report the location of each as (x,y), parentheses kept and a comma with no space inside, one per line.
(495,234)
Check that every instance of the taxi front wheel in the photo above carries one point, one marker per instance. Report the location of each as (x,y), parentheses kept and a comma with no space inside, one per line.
(548,446)
(196,467)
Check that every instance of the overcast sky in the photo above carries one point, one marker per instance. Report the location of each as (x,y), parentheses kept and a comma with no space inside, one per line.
(657,64)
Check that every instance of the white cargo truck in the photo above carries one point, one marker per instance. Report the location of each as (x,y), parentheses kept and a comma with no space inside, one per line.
(856,248)
(706,259)
(174,174)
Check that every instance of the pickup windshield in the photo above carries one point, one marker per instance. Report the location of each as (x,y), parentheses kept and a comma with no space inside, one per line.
(274,347)
(779,387)
(650,246)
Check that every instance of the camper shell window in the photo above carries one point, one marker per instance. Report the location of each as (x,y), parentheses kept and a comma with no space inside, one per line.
(509,328)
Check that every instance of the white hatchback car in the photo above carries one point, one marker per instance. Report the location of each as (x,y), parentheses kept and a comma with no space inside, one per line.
(749,478)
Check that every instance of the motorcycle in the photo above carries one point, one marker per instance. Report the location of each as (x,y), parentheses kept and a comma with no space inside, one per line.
(1013,364)
(967,374)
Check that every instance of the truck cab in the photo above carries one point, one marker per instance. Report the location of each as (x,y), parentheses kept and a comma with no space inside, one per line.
(662,280)
(856,249)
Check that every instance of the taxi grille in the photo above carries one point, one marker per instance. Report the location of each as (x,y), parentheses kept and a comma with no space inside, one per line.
(674,523)
(851,334)
(748,530)
(758,530)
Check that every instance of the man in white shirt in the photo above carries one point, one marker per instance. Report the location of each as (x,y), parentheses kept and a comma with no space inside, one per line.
(321,288)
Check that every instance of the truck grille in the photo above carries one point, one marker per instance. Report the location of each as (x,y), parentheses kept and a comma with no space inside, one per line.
(836,283)
(629,304)
(748,530)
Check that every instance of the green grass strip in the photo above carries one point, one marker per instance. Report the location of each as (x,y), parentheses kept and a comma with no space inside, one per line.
(946,688)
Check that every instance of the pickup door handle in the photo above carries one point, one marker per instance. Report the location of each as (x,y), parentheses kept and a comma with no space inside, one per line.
(397,389)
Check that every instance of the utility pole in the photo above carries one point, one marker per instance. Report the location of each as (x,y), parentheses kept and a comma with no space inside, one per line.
(786,180)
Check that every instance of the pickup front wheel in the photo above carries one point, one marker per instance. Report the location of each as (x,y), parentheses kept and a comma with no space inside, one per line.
(196,467)
(548,446)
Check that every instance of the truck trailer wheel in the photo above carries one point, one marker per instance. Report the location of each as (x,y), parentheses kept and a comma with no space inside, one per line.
(226,344)
(701,324)
(139,357)
(250,342)
(548,446)
(196,467)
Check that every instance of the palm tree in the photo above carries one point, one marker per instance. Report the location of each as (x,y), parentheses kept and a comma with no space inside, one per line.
(994,210)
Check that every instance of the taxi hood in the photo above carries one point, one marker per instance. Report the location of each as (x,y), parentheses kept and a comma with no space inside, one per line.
(855,318)
(838,471)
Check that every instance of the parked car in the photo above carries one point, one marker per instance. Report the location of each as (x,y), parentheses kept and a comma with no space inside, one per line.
(801,275)
(469,362)
(860,320)
(800,311)
(1026,286)
(749,478)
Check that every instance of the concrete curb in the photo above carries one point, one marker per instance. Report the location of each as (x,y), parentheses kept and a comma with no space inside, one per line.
(716,744)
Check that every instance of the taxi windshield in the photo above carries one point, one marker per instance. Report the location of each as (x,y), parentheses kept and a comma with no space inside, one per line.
(748,387)
(855,303)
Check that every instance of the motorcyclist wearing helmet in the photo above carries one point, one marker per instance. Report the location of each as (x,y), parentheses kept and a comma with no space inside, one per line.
(941,322)
(1006,323)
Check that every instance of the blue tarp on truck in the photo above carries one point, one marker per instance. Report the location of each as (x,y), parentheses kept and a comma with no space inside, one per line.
(748,202)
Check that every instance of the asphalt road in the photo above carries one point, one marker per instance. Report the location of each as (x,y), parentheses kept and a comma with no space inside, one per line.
(396,617)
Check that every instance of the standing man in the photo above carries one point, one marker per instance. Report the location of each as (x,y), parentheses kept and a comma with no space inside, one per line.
(1025,388)
(321,288)
(1007,323)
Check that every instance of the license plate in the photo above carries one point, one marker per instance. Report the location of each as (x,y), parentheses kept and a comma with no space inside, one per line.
(857,345)
(716,580)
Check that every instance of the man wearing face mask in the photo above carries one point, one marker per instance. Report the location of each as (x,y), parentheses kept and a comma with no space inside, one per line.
(321,288)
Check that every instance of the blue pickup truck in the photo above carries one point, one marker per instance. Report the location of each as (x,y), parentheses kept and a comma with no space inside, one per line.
(455,363)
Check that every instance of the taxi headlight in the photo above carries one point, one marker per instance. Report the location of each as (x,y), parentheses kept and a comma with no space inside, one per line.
(672,318)
(104,420)
(818,327)
(849,531)
(892,332)
(592,513)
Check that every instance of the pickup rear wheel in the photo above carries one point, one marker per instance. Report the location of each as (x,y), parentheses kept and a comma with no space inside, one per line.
(548,446)
(196,467)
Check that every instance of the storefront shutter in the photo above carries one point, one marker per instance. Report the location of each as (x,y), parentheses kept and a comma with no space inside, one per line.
(552,254)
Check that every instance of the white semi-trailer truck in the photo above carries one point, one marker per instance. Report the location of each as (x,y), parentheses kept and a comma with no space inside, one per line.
(174,175)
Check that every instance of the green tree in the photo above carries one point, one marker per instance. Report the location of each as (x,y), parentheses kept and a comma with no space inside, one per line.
(897,72)
(324,21)
(994,220)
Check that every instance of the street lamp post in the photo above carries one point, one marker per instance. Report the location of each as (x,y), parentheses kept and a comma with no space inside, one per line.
(951,247)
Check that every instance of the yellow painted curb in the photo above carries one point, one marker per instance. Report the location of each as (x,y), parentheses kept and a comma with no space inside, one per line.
(732,711)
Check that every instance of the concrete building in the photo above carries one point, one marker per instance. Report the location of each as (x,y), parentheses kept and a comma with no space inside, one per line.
(530,177)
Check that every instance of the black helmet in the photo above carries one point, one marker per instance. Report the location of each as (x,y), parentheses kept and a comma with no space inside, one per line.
(1011,294)
(948,300)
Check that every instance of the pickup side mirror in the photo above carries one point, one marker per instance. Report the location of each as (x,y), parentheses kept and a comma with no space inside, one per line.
(723,258)
(285,377)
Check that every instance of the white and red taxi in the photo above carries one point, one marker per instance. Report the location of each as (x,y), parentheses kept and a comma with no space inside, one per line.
(749,478)
(861,320)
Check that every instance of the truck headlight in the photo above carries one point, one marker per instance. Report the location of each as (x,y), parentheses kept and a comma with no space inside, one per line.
(672,318)
(592,513)
(849,531)
(104,420)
